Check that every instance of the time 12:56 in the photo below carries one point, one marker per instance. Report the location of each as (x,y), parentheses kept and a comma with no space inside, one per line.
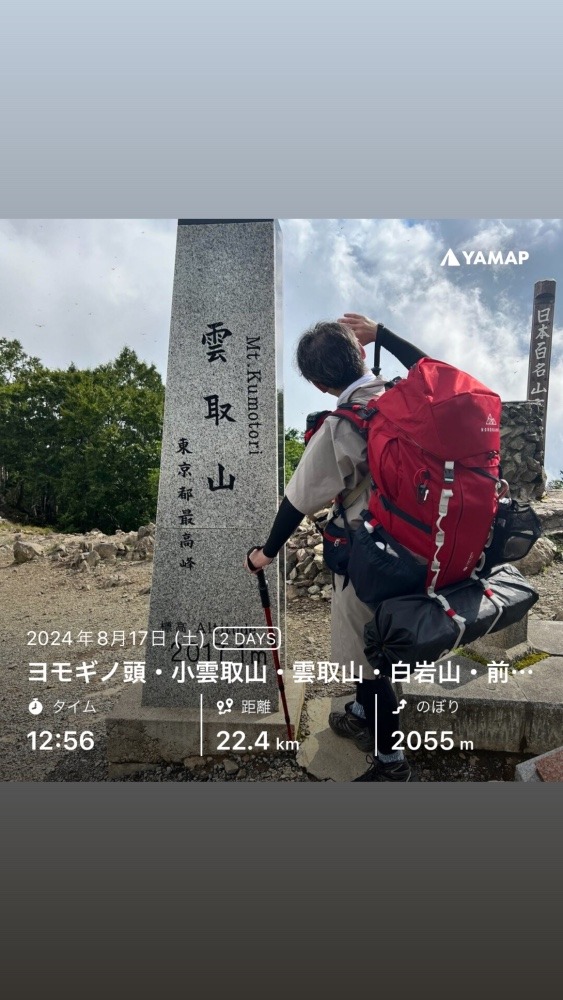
(69,740)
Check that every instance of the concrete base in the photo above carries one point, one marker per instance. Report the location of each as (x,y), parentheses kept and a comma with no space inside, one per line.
(527,770)
(504,654)
(523,715)
(508,645)
(546,636)
(139,737)
(325,755)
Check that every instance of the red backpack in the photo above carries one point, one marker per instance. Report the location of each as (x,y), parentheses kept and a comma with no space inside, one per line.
(433,448)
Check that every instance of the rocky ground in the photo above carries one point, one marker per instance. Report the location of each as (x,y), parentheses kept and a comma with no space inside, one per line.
(81,585)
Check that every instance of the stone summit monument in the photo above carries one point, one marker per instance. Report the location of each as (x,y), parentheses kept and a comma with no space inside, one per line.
(209,666)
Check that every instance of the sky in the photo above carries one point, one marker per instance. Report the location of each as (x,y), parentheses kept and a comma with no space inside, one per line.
(80,290)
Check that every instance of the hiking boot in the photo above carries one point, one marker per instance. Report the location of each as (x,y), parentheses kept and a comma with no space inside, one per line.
(351,727)
(397,770)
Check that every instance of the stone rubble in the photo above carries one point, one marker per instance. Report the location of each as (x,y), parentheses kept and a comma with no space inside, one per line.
(306,573)
(83,553)
(522,450)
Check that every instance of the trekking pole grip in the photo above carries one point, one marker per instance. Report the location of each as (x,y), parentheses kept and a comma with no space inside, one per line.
(262,585)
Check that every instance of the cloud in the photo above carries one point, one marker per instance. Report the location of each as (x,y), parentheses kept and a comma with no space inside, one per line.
(477,318)
(79,290)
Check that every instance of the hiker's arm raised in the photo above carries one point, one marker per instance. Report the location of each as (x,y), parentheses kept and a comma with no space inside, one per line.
(401,349)
(368,331)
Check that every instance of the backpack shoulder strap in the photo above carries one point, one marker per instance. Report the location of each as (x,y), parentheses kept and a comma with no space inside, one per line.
(353,495)
(356,414)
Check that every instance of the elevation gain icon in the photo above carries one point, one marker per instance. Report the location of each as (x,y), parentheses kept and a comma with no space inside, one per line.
(450,259)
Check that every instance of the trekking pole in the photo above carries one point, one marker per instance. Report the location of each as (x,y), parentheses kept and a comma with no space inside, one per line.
(265,599)
(376,359)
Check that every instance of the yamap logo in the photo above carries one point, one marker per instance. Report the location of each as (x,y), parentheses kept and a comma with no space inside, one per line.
(480,257)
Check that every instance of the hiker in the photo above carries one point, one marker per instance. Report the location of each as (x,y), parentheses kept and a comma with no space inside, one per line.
(332,358)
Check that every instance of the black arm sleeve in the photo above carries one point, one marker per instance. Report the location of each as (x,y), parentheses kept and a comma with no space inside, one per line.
(406,353)
(285,523)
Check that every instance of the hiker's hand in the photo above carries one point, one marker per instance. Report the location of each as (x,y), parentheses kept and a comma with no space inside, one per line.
(259,561)
(364,329)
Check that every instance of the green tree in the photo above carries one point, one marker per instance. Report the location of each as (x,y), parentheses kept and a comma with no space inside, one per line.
(80,448)
(14,361)
(30,398)
(294,448)
(111,446)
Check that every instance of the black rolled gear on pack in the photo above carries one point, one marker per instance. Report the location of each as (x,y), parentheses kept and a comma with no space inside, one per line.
(417,627)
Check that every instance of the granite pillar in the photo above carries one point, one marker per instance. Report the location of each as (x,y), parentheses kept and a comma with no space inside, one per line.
(221,479)
(219,476)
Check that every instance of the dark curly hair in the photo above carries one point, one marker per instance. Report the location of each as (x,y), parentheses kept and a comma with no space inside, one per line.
(330,353)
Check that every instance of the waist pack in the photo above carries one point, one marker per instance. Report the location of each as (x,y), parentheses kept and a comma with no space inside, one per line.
(429,628)
(433,443)
(338,543)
